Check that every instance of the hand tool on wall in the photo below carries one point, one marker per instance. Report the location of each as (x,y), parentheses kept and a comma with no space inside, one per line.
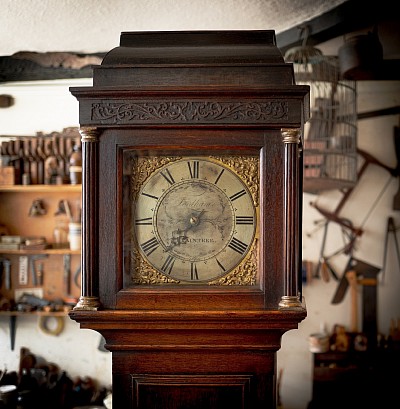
(27,160)
(37,208)
(17,161)
(39,274)
(57,153)
(333,216)
(396,199)
(67,273)
(51,164)
(352,232)
(32,267)
(40,157)
(329,270)
(23,270)
(369,283)
(77,276)
(324,268)
(7,273)
(60,208)
(13,328)
(366,276)
(68,147)
(390,229)
(343,285)
(321,252)
(33,301)
(351,277)
(68,210)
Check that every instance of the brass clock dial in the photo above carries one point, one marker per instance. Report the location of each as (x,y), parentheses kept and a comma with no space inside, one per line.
(195,220)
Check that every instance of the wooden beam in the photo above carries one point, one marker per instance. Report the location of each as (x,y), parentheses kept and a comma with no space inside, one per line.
(348,17)
(28,66)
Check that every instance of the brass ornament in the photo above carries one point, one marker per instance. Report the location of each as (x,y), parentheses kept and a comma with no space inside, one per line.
(245,273)
(247,168)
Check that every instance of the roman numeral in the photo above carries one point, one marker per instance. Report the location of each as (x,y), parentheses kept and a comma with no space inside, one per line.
(237,195)
(219,176)
(220,265)
(148,195)
(167,176)
(194,169)
(149,246)
(193,271)
(168,264)
(244,220)
(237,246)
(143,222)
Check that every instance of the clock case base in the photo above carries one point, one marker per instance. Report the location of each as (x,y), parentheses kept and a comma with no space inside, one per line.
(194,359)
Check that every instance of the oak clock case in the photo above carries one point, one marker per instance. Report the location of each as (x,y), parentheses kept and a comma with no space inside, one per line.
(192,219)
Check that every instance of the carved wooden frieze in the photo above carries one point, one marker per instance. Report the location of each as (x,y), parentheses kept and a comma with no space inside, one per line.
(122,113)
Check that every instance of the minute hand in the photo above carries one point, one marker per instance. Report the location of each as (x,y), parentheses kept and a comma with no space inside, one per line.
(179,236)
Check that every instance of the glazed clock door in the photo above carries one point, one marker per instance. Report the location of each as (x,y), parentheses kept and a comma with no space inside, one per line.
(189,218)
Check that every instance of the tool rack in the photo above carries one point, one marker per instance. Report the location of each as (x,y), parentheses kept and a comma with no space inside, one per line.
(15,201)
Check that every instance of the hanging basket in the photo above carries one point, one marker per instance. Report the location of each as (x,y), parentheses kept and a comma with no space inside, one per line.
(330,135)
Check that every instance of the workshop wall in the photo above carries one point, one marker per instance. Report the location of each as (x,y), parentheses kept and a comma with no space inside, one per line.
(48,106)
(369,206)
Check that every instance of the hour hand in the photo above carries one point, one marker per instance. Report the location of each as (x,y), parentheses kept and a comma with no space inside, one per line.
(179,236)
(194,220)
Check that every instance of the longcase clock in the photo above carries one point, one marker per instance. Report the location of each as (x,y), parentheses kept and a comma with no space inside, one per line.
(192,187)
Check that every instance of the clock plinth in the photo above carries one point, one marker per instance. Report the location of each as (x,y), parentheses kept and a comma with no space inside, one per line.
(191,216)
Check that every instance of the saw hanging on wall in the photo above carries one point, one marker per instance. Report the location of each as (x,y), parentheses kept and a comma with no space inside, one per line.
(352,233)
(396,199)
(356,273)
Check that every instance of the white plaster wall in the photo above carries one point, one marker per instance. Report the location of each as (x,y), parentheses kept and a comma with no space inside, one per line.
(92,26)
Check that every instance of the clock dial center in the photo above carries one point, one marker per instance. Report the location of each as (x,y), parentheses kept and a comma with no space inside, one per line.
(194,220)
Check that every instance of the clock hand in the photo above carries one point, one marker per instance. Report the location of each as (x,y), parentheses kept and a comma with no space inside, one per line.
(194,220)
(179,236)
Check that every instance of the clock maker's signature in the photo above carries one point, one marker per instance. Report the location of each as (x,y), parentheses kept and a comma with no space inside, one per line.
(197,204)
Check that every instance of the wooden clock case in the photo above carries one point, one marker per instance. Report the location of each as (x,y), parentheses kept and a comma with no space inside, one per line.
(192,346)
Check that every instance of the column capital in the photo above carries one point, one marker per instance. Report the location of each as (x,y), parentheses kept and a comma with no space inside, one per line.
(89,133)
(291,135)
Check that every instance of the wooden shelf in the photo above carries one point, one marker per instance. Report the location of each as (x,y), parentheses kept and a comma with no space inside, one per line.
(44,251)
(33,313)
(41,188)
